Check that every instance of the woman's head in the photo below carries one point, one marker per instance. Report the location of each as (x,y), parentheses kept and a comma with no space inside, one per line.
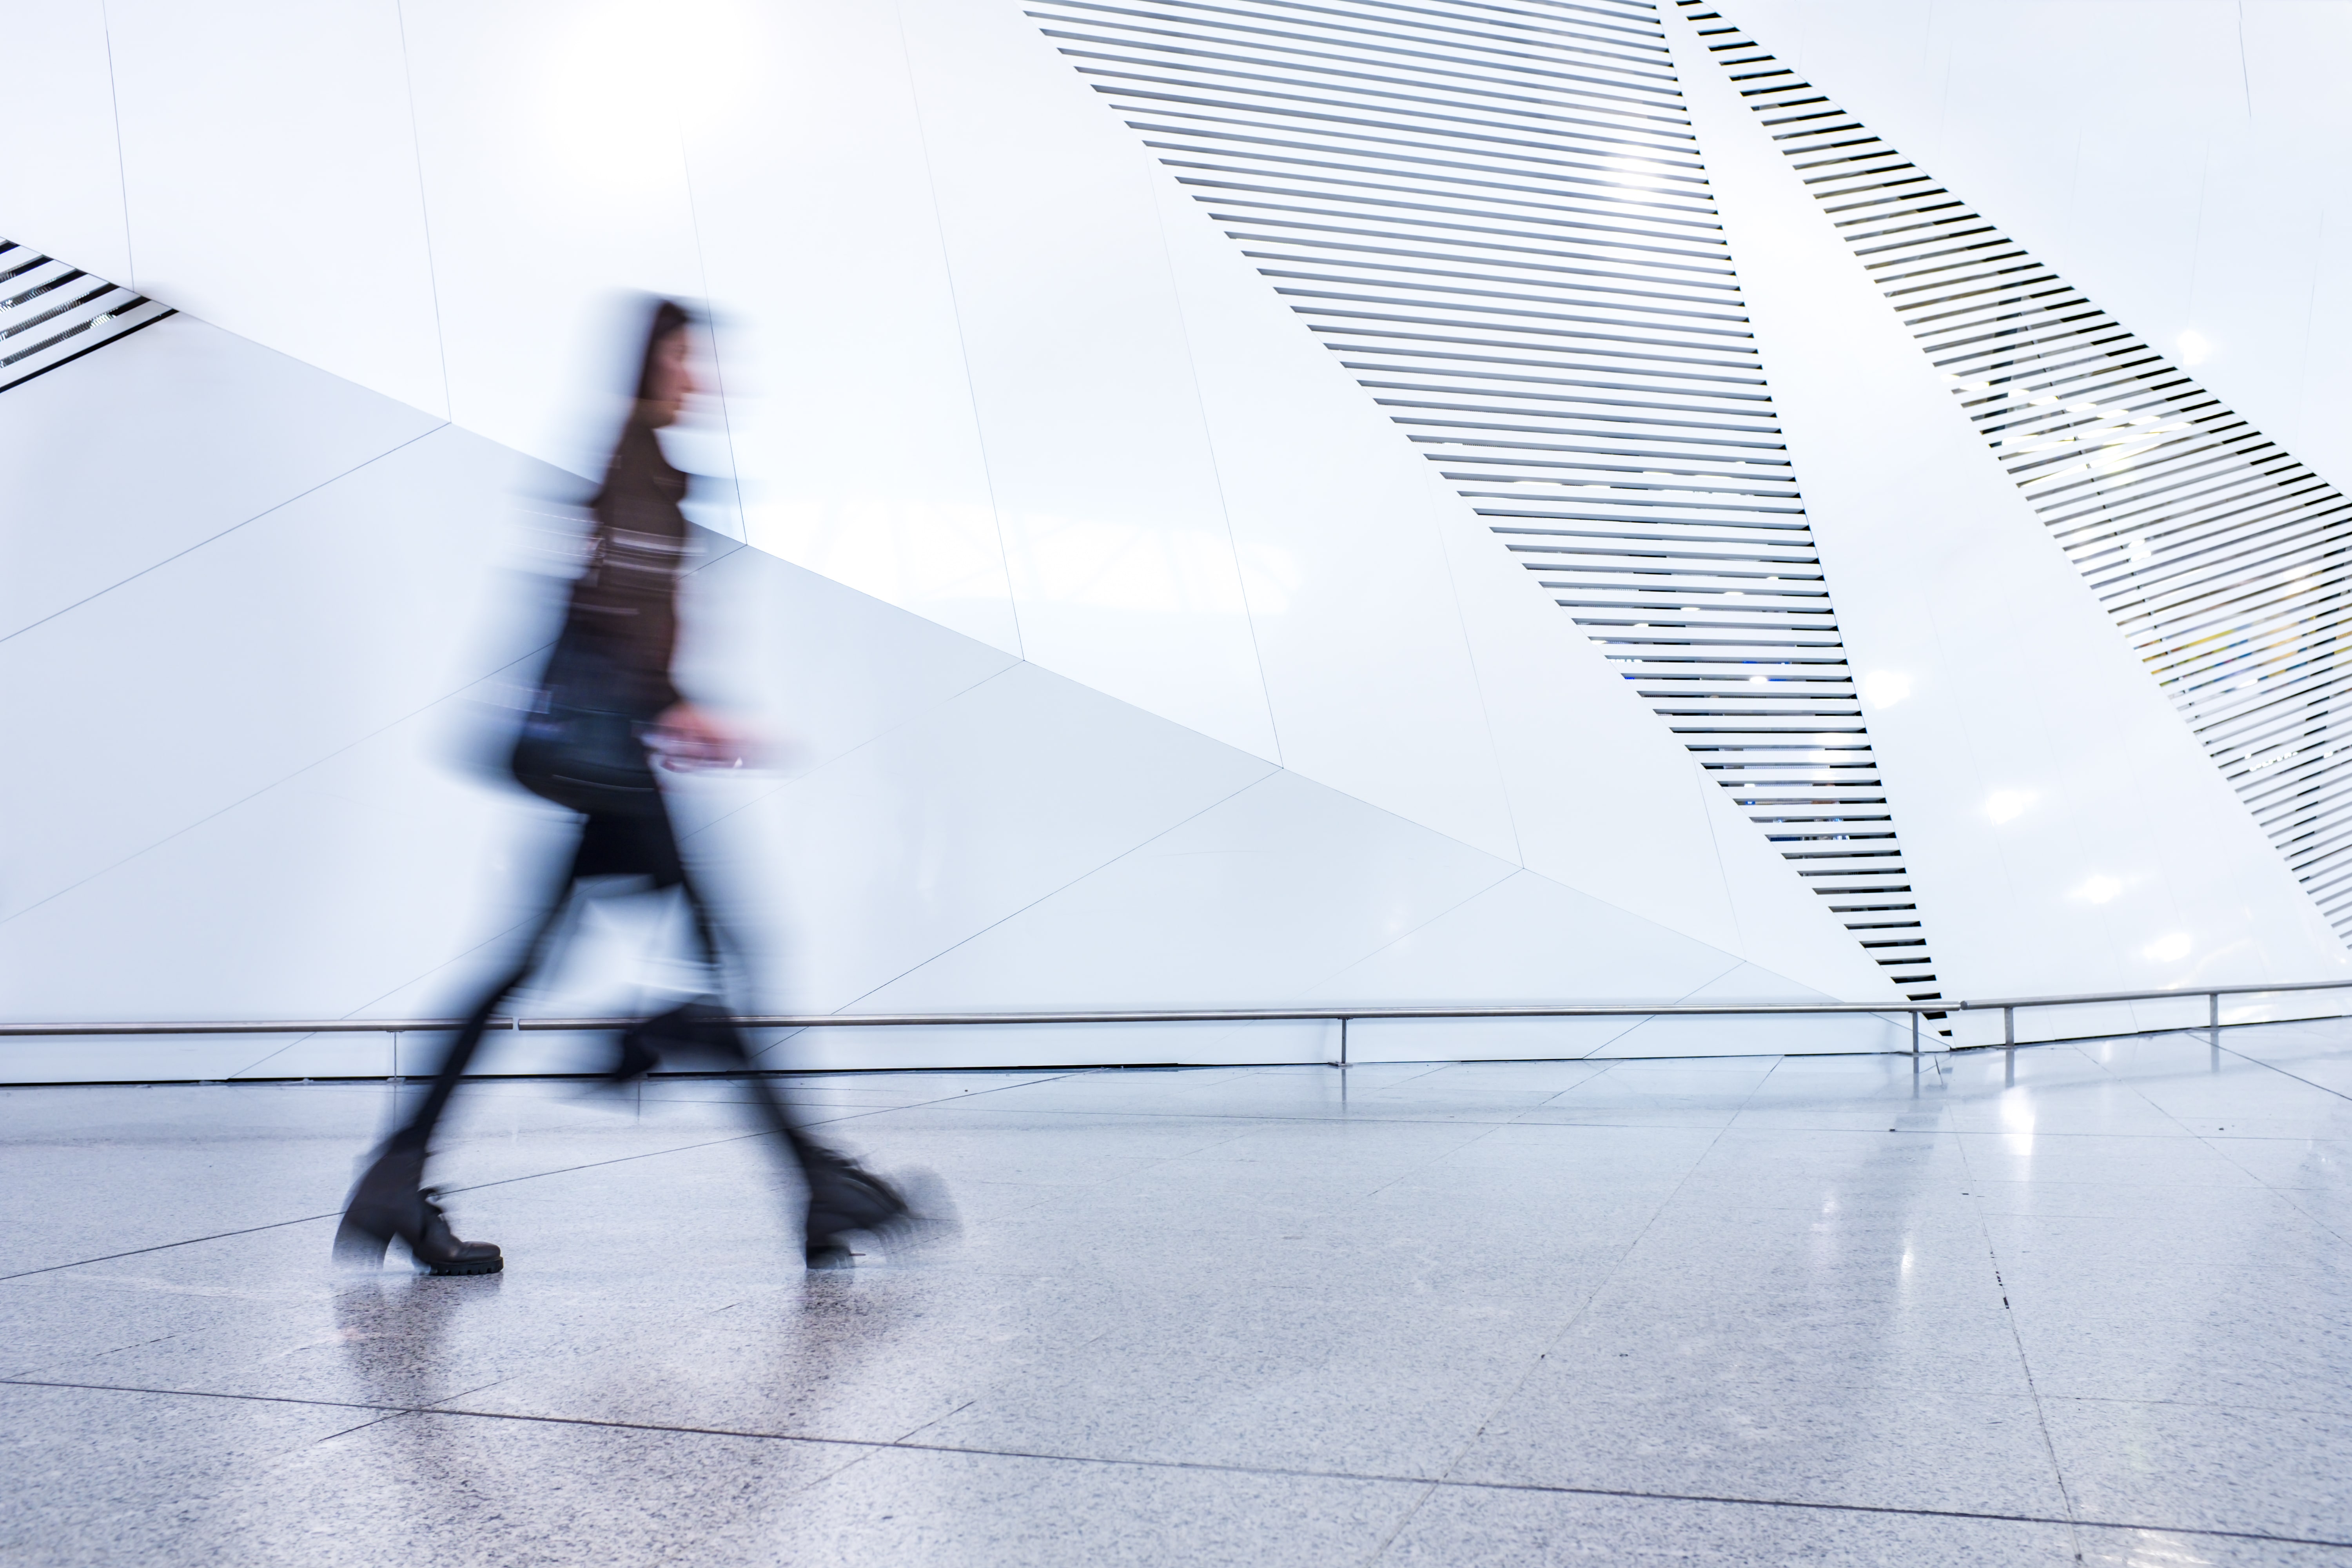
(664,374)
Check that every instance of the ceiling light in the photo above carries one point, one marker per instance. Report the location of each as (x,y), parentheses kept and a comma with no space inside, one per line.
(1883,689)
(2007,805)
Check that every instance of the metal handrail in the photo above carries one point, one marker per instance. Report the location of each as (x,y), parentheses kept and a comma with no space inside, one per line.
(906,1020)
(1343,1015)
(2153,995)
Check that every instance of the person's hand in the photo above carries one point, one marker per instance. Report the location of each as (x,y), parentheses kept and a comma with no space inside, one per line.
(686,738)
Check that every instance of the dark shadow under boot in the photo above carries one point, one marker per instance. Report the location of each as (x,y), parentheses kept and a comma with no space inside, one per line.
(845,1199)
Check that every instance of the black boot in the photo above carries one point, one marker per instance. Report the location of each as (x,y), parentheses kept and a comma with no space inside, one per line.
(389,1201)
(694,1028)
(637,1057)
(845,1198)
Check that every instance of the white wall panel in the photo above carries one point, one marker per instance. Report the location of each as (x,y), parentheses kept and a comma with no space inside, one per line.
(2070,834)
(554,181)
(1525,941)
(1123,564)
(1605,798)
(272,181)
(872,864)
(1252,903)
(1675,1035)
(822,669)
(62,192)
(207,431)
(2180,160)
(314,896)
(985,363)
(1366,664)
(846,391)
(1056,1044)
(225,668)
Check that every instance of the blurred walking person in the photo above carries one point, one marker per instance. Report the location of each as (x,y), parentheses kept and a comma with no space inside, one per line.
(604,711)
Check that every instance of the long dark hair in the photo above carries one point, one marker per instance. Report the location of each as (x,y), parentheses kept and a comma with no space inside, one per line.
(669,316)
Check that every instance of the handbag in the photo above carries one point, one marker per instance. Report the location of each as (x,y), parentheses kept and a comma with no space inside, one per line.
(578,745)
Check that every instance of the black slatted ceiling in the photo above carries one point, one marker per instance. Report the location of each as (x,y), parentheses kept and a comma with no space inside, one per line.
(2220,558)
(1497,216)
(51,311)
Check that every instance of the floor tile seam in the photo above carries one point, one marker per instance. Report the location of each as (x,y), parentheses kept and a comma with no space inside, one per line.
(376,1419)
(478,1187)
(2024,1361)
(212,1393)
(2137,1091)
(1404,1518)
(337,1214)
(1295,1117)
(2232,1407)
(1423,1167)
(2183,1135)
(2219,1144)
(2283,1072)
(2306,1214)
(1304,1120)
(166,1247)
(1608,1276)
(1288,1472)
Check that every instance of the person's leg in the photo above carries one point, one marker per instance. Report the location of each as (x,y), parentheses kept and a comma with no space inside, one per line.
(843,1197)
(390,1199)
(416,1132)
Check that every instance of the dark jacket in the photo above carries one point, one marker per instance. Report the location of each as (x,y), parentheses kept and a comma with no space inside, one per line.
(625,601)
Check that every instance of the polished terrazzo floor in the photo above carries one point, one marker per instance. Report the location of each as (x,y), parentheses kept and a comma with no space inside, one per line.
(2092,1304)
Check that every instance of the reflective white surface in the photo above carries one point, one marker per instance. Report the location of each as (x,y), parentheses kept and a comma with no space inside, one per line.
(210,431)
(2083,1306)
(270,177)
(849,402)
(2176,160)
(986,365)
(71,192)
(2064,831)
(267,682)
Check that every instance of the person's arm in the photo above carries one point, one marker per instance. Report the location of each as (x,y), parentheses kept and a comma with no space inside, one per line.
(689,737)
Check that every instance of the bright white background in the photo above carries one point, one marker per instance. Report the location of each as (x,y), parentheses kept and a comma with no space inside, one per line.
(997,392)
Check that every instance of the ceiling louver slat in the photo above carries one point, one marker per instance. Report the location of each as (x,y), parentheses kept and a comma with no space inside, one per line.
(2220,558)
(51,313)
(1499,218)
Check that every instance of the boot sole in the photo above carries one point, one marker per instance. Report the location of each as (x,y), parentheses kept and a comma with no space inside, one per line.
(487,1265)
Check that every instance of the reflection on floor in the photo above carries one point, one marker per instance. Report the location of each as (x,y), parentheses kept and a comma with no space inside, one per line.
(1731,1310)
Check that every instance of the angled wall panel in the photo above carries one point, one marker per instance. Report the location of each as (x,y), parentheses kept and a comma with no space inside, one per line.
(2222,560)
(268,822)
(2066,818)
(66,197)
(52,311)
(545,139)
(269,140)
(1123,565)
(1499,223)
(2182,160)
(849,402)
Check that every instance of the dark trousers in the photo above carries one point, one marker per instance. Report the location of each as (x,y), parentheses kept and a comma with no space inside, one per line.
(641,845)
